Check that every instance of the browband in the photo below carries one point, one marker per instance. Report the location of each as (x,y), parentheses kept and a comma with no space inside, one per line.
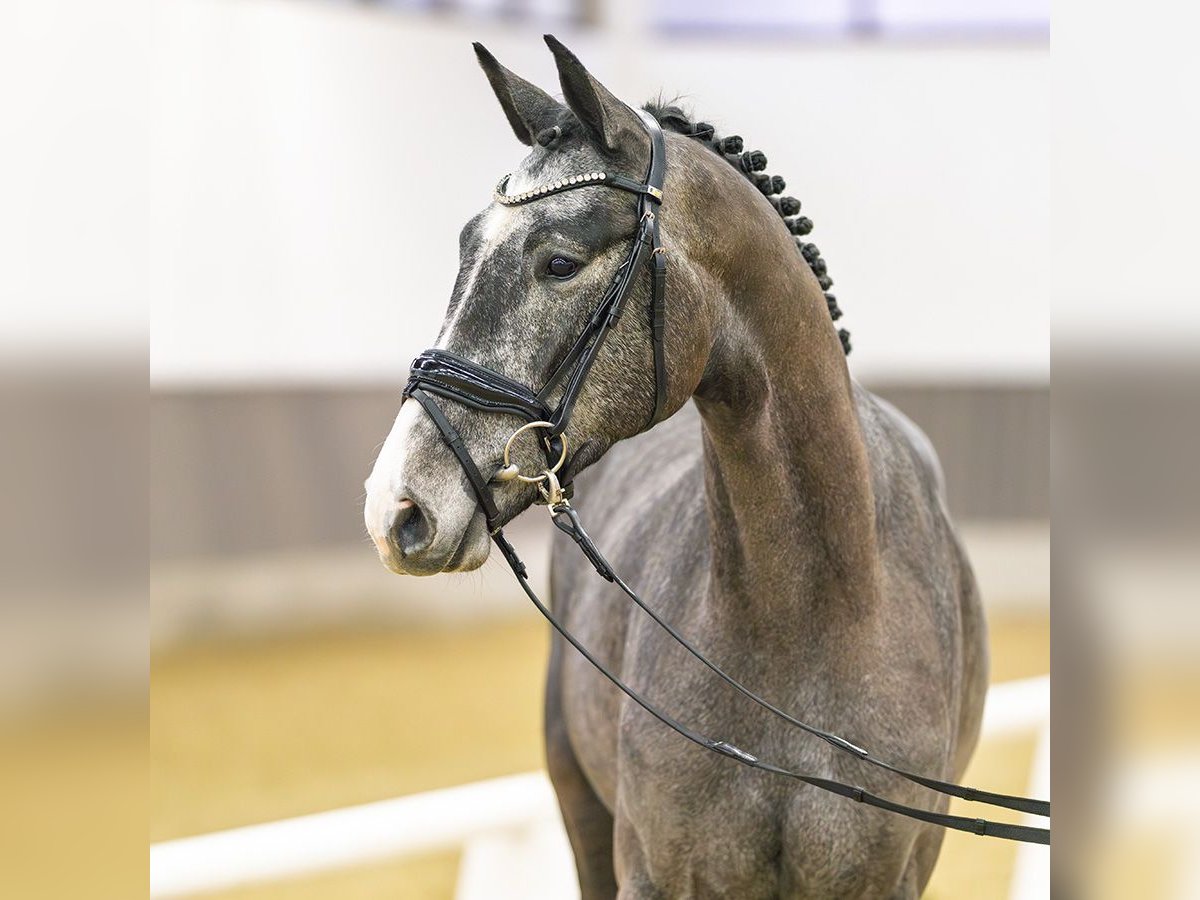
(573,181)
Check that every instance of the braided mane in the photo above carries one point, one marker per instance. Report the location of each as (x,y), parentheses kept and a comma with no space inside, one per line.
(751,163)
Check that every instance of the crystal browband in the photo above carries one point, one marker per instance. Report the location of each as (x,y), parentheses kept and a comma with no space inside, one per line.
(573,181)
(546,189)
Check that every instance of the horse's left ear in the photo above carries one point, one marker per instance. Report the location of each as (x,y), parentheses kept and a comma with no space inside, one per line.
(595,105)
(529,109)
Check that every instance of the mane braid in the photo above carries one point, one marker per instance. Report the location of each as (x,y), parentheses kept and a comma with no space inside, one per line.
(752,164)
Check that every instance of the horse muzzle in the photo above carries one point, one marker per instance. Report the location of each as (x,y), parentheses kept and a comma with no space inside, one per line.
(421,518)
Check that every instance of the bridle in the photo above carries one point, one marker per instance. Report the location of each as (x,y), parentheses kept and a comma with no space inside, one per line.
(442,374)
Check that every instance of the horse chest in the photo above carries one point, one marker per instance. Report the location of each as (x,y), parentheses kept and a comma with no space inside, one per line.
(691,823)
(650,773)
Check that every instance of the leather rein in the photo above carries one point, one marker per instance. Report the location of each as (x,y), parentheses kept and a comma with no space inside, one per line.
(447,376)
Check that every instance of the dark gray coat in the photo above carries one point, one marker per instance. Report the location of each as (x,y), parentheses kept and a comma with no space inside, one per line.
(786,521)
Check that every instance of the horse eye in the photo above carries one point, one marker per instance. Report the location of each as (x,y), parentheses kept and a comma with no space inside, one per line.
(561,267)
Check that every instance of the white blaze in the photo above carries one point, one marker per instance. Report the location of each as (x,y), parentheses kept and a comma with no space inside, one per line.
(495,227)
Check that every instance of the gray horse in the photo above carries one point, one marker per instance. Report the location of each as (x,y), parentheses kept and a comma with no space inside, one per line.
(784,519)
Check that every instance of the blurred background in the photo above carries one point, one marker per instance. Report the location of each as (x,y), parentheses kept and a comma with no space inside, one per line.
(280,182)
(313,163)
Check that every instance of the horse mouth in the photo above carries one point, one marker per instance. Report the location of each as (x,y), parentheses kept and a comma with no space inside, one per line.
(462,560)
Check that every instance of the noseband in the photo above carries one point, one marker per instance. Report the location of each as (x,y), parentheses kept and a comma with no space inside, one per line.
(440,373)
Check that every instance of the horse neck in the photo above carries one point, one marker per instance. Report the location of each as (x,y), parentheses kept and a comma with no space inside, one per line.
(790,504)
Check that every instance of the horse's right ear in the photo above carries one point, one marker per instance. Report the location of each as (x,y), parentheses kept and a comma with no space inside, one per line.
(529,108)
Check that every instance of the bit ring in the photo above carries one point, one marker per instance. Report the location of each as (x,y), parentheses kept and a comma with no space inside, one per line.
(542,477)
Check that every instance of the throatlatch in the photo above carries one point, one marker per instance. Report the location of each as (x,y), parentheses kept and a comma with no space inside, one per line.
(442,374)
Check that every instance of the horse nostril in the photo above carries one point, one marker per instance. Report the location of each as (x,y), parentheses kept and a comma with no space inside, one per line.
(412,530)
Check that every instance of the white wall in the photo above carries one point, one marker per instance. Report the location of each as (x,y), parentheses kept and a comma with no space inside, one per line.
(312,165)
(73,189)
(1126,178)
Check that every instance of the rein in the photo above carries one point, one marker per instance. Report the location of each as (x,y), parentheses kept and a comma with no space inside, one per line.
(441,374)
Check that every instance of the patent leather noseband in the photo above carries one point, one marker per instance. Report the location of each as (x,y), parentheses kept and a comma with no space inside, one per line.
(448,376)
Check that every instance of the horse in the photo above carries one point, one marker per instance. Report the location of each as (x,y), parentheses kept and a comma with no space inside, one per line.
(787,521)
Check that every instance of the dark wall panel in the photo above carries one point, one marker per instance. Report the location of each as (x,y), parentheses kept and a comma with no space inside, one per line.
(994,443)
(254,470)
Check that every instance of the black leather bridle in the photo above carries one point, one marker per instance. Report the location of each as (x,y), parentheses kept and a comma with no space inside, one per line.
(445,375)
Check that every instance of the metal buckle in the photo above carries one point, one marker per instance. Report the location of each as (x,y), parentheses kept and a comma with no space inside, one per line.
(551,491)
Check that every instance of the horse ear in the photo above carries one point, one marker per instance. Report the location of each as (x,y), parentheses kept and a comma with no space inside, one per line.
(594,104)
(528,107)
